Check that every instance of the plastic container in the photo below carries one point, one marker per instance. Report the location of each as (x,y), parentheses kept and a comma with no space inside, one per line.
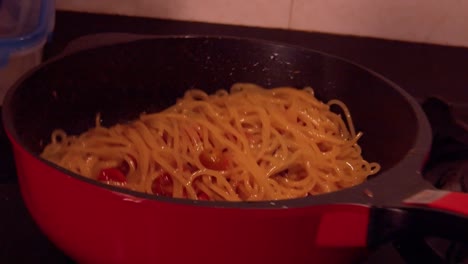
(25,26)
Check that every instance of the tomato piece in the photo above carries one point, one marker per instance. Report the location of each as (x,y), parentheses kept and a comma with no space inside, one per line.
(214,160)
(203,196)
(111,174)
(162,185)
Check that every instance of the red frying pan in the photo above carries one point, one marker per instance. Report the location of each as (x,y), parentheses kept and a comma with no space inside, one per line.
(97,223)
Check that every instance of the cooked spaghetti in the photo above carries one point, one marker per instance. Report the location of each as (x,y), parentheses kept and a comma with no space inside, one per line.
(246,144)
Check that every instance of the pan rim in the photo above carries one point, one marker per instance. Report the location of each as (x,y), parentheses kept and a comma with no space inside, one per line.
(352,195)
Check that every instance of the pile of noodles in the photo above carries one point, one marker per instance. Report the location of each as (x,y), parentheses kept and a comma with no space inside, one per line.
(245,144)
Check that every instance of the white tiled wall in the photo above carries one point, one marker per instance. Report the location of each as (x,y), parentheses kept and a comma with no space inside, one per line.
(430,21)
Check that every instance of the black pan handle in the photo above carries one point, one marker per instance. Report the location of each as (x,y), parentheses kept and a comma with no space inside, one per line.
(428,213)
(391,223)
(409,226)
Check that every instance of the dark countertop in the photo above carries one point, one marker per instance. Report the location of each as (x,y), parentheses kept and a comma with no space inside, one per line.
(423,70)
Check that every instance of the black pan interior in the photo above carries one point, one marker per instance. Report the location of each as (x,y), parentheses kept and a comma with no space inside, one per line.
(123,80)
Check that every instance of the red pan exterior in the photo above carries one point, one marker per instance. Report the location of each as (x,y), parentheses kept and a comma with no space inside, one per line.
(97,226)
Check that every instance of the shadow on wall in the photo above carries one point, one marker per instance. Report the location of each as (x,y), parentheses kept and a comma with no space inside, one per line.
(426,21)
(262,13)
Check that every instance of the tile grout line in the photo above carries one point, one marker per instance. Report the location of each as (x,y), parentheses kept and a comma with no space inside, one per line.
(291,6)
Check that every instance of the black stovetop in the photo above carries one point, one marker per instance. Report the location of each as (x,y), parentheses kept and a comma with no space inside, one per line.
(435,75)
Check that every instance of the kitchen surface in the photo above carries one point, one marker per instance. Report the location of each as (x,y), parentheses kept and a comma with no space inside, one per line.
(434,74)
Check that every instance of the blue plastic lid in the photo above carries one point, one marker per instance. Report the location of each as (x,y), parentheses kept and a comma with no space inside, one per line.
(24,24)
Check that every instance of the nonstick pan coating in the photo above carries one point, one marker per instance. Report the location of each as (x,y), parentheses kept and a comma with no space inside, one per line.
(123,80)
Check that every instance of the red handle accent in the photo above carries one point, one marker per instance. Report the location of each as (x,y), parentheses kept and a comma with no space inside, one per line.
(343,226)
(450,201)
